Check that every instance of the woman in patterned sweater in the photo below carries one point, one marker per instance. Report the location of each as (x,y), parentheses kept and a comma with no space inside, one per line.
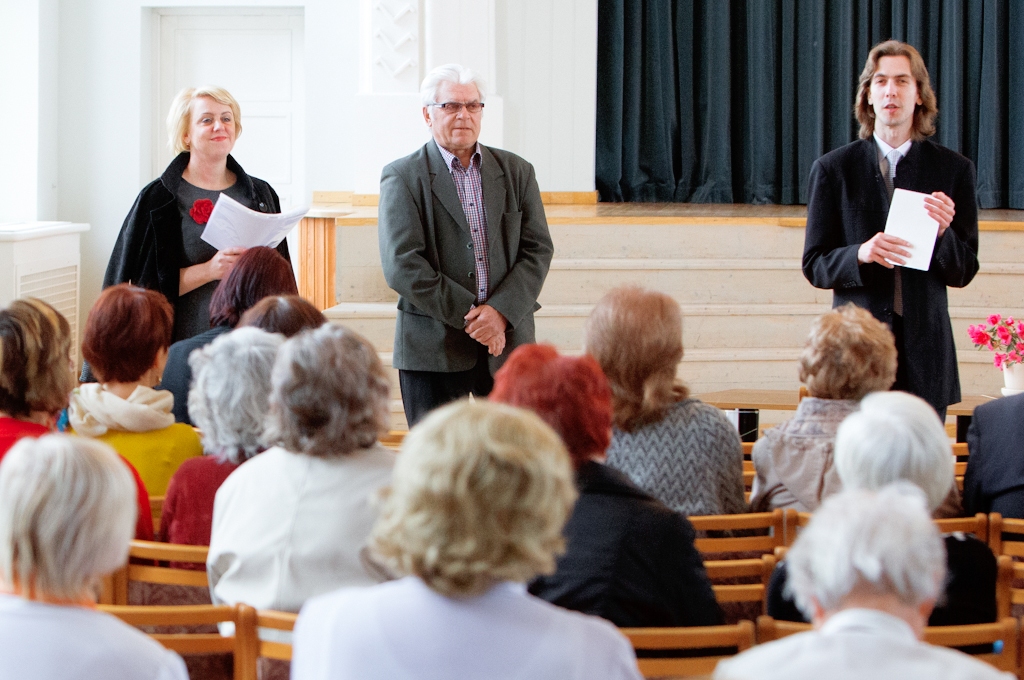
(680,450)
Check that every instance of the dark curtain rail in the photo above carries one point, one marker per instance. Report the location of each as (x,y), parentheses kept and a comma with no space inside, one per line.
(718,101)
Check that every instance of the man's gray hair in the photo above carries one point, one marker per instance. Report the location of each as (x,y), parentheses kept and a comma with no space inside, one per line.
(228,401)
(331,393)
(879,542)
(449,73)
(67,514)
(895,436)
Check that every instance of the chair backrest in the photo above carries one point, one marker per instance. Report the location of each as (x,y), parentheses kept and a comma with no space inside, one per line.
(155,570)
(766,544)
(393,439)
(198,643)
(748,448)
(711,638)
(156,505)
(284,621)
(977,525)
(1004,631)
(760,568)
(999,530)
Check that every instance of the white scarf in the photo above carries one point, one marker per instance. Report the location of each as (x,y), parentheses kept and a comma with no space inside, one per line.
(94,411)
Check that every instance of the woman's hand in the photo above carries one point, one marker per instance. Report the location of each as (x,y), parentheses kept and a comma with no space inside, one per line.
(215,269)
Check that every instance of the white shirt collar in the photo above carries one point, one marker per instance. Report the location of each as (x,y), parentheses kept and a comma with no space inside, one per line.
(449,157)
(903,148)
(868,621)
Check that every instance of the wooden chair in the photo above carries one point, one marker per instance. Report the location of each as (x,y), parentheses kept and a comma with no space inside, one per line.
(283,621)
(771,521)
(115,586)
(977,525)
(748,448)
(239,644)
(1013,550)
(156,505)
(1004,631)
(742,568)
(711,638)
(393,439)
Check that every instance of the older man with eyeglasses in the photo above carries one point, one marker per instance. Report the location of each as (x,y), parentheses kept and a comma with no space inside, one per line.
(465,244)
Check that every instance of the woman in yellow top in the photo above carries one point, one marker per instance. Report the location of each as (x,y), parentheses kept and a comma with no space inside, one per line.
(126,341)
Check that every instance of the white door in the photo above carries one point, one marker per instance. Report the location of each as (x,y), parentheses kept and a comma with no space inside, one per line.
(256,54)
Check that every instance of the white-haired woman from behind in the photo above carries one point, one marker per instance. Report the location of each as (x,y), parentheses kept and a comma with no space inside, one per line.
(476,508)
(67,514)
(228,403)
(867,570)
(894,437)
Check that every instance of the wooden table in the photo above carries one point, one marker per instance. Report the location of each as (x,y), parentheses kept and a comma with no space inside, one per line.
(787,400)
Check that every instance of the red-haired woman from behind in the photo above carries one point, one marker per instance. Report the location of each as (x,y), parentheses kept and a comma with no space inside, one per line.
(629,559)
(126,340)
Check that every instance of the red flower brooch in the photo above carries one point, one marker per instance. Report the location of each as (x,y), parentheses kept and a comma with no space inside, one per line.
(201,210)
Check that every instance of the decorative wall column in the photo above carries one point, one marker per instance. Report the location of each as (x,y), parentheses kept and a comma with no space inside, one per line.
(400,41)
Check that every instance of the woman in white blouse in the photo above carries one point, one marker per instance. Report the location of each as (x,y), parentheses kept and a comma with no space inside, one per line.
(479,496)
(67,513)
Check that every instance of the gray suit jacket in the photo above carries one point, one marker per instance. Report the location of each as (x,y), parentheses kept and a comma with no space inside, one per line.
(427,255)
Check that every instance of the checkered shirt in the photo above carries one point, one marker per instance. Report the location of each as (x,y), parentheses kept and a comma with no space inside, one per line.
(471,195)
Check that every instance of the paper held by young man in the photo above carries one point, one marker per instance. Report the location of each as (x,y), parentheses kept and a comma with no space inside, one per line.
(910,221)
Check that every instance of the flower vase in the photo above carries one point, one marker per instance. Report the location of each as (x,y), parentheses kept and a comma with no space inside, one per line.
(1013,377)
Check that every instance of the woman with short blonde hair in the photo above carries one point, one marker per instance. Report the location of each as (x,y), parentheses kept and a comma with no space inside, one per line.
(160,246)
(475,510)
(677,448)
(67,514)
(848,354)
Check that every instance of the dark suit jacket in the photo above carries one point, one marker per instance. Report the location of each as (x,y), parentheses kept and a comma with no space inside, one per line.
(629,558)
(177,378)
(994,481)
(427,255)
(848,204)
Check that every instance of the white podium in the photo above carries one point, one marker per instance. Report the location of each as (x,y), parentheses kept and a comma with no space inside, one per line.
(43,260)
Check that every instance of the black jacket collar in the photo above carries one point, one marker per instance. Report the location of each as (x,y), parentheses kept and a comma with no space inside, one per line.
(171,178)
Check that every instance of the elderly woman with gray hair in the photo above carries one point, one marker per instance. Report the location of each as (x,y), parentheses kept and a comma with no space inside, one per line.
(67,514)
(895,437)
(867,570)
(228,403)
(291,522)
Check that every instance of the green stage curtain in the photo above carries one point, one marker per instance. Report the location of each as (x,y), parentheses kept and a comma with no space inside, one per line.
(718,101)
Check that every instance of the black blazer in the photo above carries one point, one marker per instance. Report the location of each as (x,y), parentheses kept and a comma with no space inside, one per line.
(994,481)
(629,558)
(848,204)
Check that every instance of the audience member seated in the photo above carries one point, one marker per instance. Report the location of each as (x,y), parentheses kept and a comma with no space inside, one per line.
(995,469)
(848,354)
(867,571)
(291,522)
(284,314)
(35,370)
(228,402)
(67,510)
(680,450)
(126,340)
(258,272)
(476,508)
(630,559)
(895,437)
(36,379)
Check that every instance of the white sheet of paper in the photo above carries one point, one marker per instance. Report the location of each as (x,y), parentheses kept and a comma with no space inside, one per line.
(232,225)
(909,221)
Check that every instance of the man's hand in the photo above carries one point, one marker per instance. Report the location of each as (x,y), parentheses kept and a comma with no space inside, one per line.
(882,247)
(940,208)
(487,326)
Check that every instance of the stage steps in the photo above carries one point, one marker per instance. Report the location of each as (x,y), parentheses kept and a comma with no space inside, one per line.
(747,307)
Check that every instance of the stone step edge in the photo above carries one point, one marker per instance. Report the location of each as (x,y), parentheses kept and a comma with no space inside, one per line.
(784,354)
(388,310)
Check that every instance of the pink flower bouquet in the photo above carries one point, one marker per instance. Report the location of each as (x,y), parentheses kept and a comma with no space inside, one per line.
(1004,337)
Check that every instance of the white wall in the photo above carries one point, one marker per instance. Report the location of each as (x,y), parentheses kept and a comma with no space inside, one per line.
(28,117)
(544,71)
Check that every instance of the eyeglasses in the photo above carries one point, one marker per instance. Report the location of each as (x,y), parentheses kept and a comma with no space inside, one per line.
(454,107)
